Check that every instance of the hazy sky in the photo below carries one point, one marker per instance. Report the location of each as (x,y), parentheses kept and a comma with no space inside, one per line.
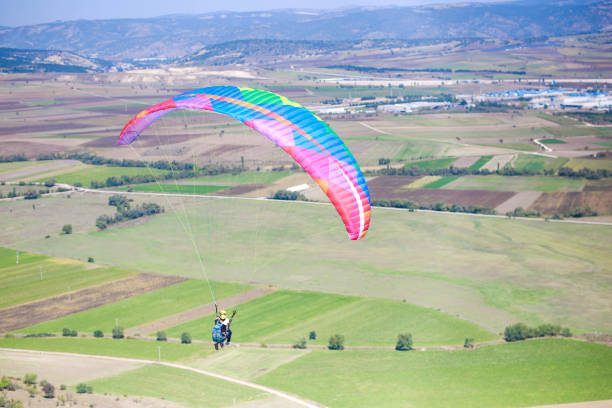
(24,12)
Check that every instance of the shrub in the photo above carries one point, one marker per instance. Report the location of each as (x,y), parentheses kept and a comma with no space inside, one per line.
(117,332)
(49,390)
(29,379)
(161,336)
(404,342)
(73,333)
(90,259)
(49,183)
(186,338)
(66,331)
(300,343)
(336,342)
(312,335)
(98,334)
(83,388)
(63,387)
(468,343)
(565,332)
(67,229)
(6,384)
(31,195)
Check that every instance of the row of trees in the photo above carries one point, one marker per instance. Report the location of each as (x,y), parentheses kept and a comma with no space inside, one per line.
(504,171)
(411,205)
(125,211)
(520,331)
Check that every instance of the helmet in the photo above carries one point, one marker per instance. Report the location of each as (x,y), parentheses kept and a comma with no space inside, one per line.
(223,313)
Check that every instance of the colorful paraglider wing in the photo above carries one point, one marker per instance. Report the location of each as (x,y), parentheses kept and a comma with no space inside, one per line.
(309,140)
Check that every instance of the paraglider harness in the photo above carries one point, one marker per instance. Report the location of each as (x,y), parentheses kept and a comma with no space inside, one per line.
(217,331)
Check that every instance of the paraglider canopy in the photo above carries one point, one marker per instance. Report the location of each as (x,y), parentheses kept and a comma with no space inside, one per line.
(296,130)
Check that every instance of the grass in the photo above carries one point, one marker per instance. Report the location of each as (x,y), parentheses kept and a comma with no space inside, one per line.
(184,387)
(176,188)
(514,146)
(265,316)
(593,164)
(509,375)
(283,317)
(139,309)
(473,267)
(244,177)
(433,164)
(546,184)
(441,182)
(12,166)
(480,162)
(531,162)
(552,141)
(21,283)
(101,173)
(138,349)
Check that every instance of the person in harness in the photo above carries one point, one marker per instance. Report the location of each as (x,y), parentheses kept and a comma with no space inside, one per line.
(221,332)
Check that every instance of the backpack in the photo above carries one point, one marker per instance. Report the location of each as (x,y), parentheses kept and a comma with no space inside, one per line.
(217,335)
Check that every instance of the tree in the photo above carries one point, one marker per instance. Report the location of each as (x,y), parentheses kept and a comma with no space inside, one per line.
(83,388)
(404,342)
(29,379)
(161,336)
(117,332)
(336,342)
(312,335)
(186,338)
(66,332)
(98,334)
(67,229)
(468,343)
(300,343)
(49,390)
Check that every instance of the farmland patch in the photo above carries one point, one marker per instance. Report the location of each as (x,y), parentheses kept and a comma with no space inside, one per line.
(516,183)
(560,203)
(56,307)
(441,182)
(133,310)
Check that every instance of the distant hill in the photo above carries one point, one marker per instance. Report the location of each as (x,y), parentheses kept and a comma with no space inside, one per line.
(180,35)
(17,60)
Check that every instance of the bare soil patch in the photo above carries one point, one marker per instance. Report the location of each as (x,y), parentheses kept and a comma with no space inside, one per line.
(18,317)
(46,127)
(197,312)
(61,369)
(385,186)
(143,140)
(30,149)
(559,203)
(466,161)
(522,199)
(239,190)
(498,161)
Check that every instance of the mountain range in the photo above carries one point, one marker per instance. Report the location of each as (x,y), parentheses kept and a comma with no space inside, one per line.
(175,36)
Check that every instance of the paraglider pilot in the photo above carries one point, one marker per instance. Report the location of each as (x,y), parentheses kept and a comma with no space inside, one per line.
(221,333)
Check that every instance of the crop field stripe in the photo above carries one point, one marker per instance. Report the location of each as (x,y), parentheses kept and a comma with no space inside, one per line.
(441,182)
(480,162)
(137,310)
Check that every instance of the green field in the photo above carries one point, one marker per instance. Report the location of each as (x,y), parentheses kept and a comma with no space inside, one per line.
(283,317)
(509,375)
(593,164)
(139,309)
(433,164)
(187,388)
(514,146)
(100,174)
(427,259)
(552,141)
(480,162)
(12,166)
(176,188)
(441,182)
(516,183)
(243,178)
(139,349)
(535,163)
(21,283)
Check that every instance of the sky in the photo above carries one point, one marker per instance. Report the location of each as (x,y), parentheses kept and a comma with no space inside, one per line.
(26,12)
